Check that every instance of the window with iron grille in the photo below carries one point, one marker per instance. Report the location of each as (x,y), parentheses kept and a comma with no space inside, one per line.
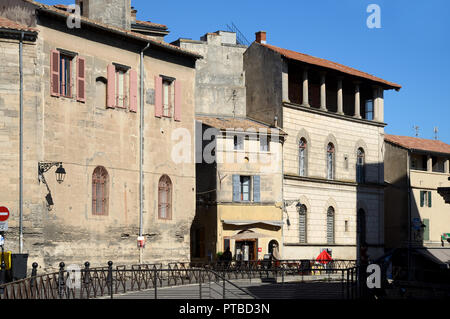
(360,159)
(100,189)
(302,224)
(165,198)
(302,157)
(330,161)
(330,225)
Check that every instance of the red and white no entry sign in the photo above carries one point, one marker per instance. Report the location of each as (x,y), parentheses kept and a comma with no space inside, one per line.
(4,214)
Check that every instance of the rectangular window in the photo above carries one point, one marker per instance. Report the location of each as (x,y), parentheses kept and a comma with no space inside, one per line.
(245,188)
(238,143)
(167,98)
(369,110)
(425,199)
(65,75)
(121,86)
(264,143)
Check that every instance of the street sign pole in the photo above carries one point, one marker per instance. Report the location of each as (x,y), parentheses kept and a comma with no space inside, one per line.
(3,265)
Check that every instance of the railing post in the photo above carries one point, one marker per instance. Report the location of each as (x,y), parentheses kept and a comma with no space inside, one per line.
(87,280)
(33,278)
(155,283)
(199,284)
(223,293)
(61,281)
(110,278)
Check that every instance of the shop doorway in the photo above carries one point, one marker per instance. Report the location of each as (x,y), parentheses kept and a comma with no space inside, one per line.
(246,250)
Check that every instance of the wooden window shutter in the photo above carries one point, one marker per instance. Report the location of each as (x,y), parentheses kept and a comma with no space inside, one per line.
(54,70)
(133,91)
(256,189)
(422,198)
(111,88)
(429,199)
(236,188)
(81,80)
(177,101)
(158,96)
(426,229)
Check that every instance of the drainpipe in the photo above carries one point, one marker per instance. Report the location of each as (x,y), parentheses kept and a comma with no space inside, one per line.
(141,153)
(21,146)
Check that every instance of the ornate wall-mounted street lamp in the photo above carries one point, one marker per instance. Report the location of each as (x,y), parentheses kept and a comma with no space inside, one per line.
(60,175)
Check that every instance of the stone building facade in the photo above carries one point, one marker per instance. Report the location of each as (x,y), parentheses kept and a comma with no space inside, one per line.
(92,125)
(332,157)
(416,215)
(239,190)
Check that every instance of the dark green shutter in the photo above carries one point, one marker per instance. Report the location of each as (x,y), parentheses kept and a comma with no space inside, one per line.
(256,188)
(422,195)
(429,199)
(426,230)
(236,188)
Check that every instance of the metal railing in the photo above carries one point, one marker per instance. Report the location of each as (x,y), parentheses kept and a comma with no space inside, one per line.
(213,280)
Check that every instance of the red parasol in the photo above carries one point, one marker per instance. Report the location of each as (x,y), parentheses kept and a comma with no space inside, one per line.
(324,257)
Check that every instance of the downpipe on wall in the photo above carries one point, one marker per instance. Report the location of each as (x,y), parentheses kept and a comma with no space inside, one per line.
(21,145)
(141,154)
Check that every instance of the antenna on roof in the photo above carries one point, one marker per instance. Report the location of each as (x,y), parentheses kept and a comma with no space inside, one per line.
(240,37)
(436,130)
(416,128)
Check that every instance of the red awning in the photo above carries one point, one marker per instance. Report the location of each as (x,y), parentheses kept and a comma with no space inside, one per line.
(324,257)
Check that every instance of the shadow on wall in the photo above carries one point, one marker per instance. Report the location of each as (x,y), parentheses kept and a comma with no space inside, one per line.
(406,231)
(204,225)
(369,208)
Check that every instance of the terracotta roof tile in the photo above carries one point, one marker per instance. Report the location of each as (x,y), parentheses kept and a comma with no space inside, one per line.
(52,9)
(328,64)
(151,24)
(415,143)
(224,123)
(11,25)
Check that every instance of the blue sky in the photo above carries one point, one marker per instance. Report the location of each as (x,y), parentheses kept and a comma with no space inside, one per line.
(411,48)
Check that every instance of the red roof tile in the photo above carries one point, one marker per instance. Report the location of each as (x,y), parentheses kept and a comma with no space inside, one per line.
(11,25)
(55,10)
(328,64)
(415,143)
(151,24)
(232,123)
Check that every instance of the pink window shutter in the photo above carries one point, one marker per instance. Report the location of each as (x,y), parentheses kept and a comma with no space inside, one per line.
(158,96)
(178,99)
(133,91)
(81,80)
(111,89)
(54,73)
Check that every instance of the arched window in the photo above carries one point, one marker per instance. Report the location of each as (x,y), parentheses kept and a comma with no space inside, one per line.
(360,159)
(330,225)
(302,157)
(330,161)
(302,224)
(165,198)
(100,191)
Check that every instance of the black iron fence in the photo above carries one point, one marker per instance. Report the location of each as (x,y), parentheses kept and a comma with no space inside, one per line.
(210,280)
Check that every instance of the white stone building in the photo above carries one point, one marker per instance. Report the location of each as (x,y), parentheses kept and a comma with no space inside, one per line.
(332,158)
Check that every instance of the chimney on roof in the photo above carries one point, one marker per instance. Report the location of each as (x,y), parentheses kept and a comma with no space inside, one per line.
(116,13)
(133,15)
(261,37)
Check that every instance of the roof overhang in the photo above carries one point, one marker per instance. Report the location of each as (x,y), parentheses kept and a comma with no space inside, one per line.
(114,30)
(277,223)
